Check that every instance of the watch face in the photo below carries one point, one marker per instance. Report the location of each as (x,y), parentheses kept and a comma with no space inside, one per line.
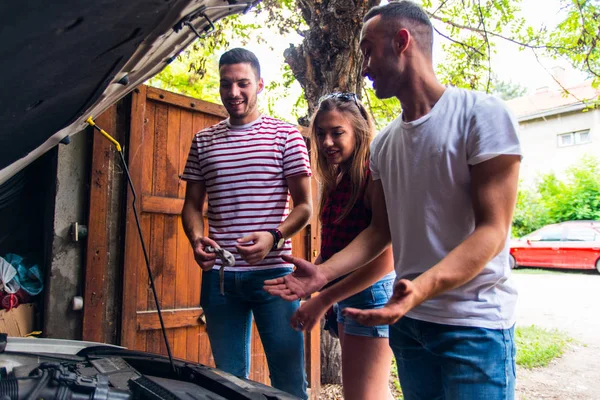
(280,243)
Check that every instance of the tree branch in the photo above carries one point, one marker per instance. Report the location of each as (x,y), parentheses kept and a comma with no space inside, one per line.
(473,29)
(583,30)
(585,33)
(489,48)
(442,4)
(464,45)
(589,54)
(559,83)
(305,7)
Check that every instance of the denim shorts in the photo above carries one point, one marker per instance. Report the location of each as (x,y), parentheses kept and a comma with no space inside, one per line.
(371,298)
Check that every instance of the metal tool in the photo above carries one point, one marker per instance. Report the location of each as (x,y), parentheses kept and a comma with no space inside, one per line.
(227,260)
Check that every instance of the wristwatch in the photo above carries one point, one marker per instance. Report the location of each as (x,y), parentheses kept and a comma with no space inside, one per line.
(278,239)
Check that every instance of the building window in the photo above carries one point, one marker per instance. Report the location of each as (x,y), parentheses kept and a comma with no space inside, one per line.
(573,138)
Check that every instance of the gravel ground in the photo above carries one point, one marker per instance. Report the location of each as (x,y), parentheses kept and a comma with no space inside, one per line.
(569,302)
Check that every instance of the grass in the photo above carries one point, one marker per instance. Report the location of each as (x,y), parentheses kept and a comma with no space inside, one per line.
(395,382)
(536,271)
(542,271)
(536,346)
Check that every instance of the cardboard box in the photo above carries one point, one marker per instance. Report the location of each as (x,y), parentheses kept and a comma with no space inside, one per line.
(18,321)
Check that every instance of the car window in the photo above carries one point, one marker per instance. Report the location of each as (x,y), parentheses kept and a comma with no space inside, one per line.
(581,235)
(550,234)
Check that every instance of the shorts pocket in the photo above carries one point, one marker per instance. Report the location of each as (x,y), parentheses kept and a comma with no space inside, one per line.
(381,292)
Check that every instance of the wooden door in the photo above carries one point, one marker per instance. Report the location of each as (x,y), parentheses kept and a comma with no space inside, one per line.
(162,128)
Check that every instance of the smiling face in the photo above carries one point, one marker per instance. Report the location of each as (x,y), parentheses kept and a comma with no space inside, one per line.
(239,88)
(335,137)
(381,64)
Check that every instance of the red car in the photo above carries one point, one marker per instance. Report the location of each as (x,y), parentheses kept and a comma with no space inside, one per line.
(570,245)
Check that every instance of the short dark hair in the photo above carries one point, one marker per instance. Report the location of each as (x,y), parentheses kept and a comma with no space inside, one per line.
(411,16)
(239,56)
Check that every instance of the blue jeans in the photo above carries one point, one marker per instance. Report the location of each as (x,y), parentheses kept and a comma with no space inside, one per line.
(229,327)
(371,298)
(438,361)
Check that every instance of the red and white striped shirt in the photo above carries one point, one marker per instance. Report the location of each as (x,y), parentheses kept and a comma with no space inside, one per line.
(244,170)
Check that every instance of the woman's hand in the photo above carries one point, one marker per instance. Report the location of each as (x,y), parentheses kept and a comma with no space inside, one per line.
(309,313)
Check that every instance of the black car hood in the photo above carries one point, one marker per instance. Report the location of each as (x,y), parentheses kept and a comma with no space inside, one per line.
(64,61)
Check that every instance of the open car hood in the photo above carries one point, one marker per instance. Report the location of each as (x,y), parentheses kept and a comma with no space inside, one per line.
(64,61)
(54,368)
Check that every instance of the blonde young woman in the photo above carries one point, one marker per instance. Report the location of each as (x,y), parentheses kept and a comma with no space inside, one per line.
(341,133)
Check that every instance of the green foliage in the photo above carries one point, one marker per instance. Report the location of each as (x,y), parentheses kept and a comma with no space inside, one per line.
(579,197)
(536,346)
(382,111)
(507,90)
(195,71)
(178,77)
(395,381)
(576,38)
(529,214)
(543,271)
(470,29)
(282,16)
(552,200)
(281,90)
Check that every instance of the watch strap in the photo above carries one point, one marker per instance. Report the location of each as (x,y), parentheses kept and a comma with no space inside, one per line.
(277,236)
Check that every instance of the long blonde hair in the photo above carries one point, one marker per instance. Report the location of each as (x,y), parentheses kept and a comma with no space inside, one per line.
(363,129)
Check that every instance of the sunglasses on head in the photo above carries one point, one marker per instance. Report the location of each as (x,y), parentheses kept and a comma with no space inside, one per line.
(344,96)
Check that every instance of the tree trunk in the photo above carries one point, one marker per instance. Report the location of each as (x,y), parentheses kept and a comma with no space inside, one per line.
(331,359)
(328,60)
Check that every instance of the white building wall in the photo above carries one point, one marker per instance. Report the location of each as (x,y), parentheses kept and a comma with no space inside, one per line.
(540,145)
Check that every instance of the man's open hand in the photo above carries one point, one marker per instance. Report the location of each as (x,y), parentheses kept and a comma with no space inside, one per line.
(405,297)
(306,279)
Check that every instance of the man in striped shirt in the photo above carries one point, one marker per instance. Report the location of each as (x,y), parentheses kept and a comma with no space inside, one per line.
(248,166)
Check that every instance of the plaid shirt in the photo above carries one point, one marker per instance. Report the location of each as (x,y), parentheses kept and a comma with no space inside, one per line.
(337,235)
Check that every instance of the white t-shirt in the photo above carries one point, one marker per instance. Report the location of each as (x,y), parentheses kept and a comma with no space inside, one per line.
(245,169)
(424,169)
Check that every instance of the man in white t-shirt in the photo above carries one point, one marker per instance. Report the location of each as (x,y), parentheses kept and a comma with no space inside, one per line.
(248,166)
(446,171)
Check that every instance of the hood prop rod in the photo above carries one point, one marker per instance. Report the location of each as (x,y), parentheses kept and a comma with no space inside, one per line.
(119,149)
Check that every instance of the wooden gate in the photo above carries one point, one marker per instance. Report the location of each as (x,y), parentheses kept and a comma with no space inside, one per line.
(162,128)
